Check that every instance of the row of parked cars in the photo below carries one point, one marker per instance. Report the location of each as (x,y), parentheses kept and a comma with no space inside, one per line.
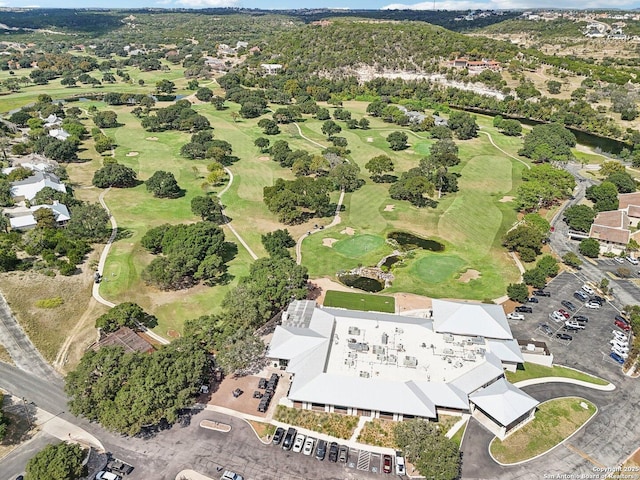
(619,347)
(269,387)
(297,442)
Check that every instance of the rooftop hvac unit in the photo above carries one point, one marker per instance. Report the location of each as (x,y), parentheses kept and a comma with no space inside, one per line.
(399,330)
(358,346)
(480,350)
(354,331)
(448,338)
(385,338)
(531,347)
(377,349)
(364,374)
(410,362)
(448,351)
(470,356)
(392,359)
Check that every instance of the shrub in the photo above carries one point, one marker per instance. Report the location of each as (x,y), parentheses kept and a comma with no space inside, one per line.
(49,302)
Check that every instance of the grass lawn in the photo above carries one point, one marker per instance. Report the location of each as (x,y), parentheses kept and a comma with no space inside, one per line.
(531,370)
(457,437)
(360,301)
(358,245)
(333,424)
(555,421)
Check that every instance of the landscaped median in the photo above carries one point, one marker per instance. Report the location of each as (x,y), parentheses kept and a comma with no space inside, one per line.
(555,421)
(332,424)
(534,371)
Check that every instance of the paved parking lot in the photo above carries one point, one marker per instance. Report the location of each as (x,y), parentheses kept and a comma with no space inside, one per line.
(589,349)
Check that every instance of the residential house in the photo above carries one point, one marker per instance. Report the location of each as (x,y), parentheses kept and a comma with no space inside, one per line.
(271,68)
(126,338)
(59,133)
(475,66)
(399,367)
(29,187)
(22,218)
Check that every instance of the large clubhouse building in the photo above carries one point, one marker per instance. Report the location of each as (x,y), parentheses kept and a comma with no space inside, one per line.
(399,367)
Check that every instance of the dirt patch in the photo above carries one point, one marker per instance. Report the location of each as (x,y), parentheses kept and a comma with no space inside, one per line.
(328,242)
(348,231)
(411,301)
(264,158)
(319,287)
(370,139)
(5,357)
(152,139)
(469,275)
(389,208)
(133,154)
(173,334)
(506,199)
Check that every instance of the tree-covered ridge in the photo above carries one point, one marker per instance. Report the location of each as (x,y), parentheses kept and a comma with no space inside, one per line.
(344,44)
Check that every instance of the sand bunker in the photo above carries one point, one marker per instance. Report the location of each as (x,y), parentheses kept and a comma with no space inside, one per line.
(348,231)
(328,242)
(506,199)
(389,208)
(263,158)
(469,275)
(369,139)
(153,139)
(133,154)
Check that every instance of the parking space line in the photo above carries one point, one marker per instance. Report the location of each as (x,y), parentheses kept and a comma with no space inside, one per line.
(584,455)
(364,460)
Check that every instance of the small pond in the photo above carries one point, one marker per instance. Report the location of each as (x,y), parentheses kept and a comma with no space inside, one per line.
(408,241)
(363,283)
(391,259)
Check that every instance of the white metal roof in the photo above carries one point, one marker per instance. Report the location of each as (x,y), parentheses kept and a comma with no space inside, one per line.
(506,350)
(481,375)
(486,320)
(29,187)
(60,212)
(503,401)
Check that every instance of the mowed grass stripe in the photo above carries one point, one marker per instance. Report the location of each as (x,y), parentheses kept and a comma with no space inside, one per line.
(360,301)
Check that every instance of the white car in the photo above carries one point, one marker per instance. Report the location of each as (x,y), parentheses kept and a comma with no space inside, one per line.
(622,353)
(574,324)
(308,446)
(592,305)
(557,316)
(515,316)
(632,261)
(619,259)
(298,443)
(620,336)
(620,345)
(587,289)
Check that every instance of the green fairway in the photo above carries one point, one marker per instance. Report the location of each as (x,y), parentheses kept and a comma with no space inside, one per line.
(358,245)
(360,301)
(437,268)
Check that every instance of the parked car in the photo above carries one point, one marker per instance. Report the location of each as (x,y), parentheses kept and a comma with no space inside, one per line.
(321,449)
(620,352)
(569,305)
(386,463)
(598,299)
(400,468)
(621,318)
(515,316)
(620,336)
(287,443)
(541,293)
(619,259)
(581,296)
(546,328)
(580,318)
(570,329)
(588,289)
(557,316)
(617,357)
(623,325)
(237,392)
(118,466)
(532,300)
(632,261)
(309,443)
(277,437)
(592,304)
(229,475)
(298,443)
(344,454)
(524,309)
(564,313)
(333,452)
(107,476)
(623,347)
(574,324)
(564,336)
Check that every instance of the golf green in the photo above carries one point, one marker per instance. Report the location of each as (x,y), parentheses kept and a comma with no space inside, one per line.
(438,268)
(358,245)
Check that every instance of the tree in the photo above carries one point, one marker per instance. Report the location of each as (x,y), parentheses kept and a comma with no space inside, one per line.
(89,222)
(53,462)
(106,119)
(397,141)
(208,208)
(546,143)
(571,259)
(163,185)
(413,186)
(330,128)
(204,94)
(579,217)
(125,315)
(518,292)
(115,175)
(553,87)
(511,128)
(623,182)
(379,165)
(428,449)
(165,86)
(589,247)
(4,420)
(103,143)
(526,239)
(269,127)
(535,277)
(610,167)
(345,176)
(277,242)
(604,196)
(463,125)
(444,153)
(45,218)
(262,143)
(548,265)
(240,352)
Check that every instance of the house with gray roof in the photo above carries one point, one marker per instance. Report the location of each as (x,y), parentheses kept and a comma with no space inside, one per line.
(22,218)
(29,187)
(399,367)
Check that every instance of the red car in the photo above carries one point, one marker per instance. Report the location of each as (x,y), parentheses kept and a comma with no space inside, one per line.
(564,313)
(623,325)
(386,463)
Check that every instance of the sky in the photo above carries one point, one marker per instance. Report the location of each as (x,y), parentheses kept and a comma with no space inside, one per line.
(355,4)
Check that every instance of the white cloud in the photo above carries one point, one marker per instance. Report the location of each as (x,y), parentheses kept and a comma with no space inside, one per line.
(163,2)
(208,3)
(508,4)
